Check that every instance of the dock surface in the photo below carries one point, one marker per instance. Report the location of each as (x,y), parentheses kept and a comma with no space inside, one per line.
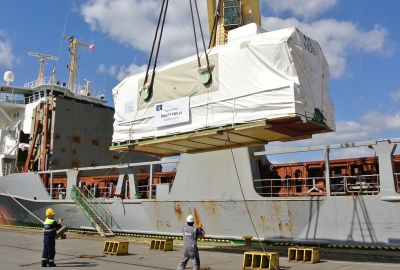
(22,249)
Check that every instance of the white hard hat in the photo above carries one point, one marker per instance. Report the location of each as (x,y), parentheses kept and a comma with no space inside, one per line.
(190,218)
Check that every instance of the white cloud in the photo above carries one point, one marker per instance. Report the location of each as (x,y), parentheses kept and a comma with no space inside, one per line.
(346,132)
(6,55)
(130,70)
(300,8)
(373,125)
(111,70)
(395,95)
(352,152)
(380,120)
(337,39)
(133,22)
(101,68)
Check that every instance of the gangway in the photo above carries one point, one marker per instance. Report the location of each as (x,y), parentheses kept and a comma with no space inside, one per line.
(94,210)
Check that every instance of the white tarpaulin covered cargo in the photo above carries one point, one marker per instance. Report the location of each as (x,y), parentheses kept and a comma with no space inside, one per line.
(279,79)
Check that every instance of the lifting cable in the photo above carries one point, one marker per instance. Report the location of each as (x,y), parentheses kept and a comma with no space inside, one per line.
(213,34)
(244,199)
(163,13)
(202,36)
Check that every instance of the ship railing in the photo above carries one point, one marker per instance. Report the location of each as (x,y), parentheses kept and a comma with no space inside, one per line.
(316,186)
(57,193)
(12,100)
(19,99)
(149,191)
(364,184)
(43,81)
(289,187)
(98,192)
(8,149)
(35,97)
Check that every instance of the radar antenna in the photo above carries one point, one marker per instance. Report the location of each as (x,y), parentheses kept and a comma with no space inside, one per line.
(42,62)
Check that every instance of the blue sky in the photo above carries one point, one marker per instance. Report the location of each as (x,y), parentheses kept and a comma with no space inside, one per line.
(360,39)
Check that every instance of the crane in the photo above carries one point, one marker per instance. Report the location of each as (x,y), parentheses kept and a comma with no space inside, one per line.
(42,62)
(230,14)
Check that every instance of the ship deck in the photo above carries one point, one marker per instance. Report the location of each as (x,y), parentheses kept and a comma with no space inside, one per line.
(22,247)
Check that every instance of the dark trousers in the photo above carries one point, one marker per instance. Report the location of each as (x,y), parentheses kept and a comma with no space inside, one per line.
(49,250)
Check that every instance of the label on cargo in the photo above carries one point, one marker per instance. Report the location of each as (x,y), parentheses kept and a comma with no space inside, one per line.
(129,107)
(172,112)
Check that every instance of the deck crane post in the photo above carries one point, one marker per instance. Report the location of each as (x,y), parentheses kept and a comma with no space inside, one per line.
(42,62)
(230,14)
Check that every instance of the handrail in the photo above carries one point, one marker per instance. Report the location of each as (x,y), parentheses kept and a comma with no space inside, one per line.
(83,200)
(305,186)
(93,197)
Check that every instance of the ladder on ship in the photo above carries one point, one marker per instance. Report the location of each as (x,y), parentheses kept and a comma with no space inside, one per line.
(94,210)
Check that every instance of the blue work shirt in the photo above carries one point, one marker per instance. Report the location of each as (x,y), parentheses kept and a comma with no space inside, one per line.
(50,229)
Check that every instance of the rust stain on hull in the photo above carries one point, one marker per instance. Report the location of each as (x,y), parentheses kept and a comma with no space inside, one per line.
(262,218)
(196,218)
(159,223)
(210,206)
(178,211)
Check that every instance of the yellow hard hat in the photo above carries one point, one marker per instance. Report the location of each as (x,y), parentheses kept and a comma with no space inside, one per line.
(49,212)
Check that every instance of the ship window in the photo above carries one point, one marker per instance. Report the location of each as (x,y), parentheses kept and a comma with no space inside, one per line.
(232,14)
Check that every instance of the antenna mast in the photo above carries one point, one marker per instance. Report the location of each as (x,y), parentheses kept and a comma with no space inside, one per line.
(42,62)
(73,50)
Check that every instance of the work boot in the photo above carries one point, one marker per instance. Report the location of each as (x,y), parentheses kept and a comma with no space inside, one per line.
(52,264)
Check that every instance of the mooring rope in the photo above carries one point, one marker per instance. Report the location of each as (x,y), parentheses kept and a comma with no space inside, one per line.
(12,197)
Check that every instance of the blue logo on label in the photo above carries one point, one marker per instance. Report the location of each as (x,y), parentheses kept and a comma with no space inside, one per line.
(159,107)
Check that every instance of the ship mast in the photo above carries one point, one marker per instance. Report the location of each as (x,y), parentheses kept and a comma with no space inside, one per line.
(73,67)
(42,62)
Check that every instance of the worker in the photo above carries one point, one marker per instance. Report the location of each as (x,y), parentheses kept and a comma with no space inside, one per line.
(49,241)
(190,250)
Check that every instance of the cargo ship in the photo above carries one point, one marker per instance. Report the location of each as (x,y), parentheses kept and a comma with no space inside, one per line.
(194,143)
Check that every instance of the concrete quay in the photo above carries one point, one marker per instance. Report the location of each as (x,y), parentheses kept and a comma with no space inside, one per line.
(21,249)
